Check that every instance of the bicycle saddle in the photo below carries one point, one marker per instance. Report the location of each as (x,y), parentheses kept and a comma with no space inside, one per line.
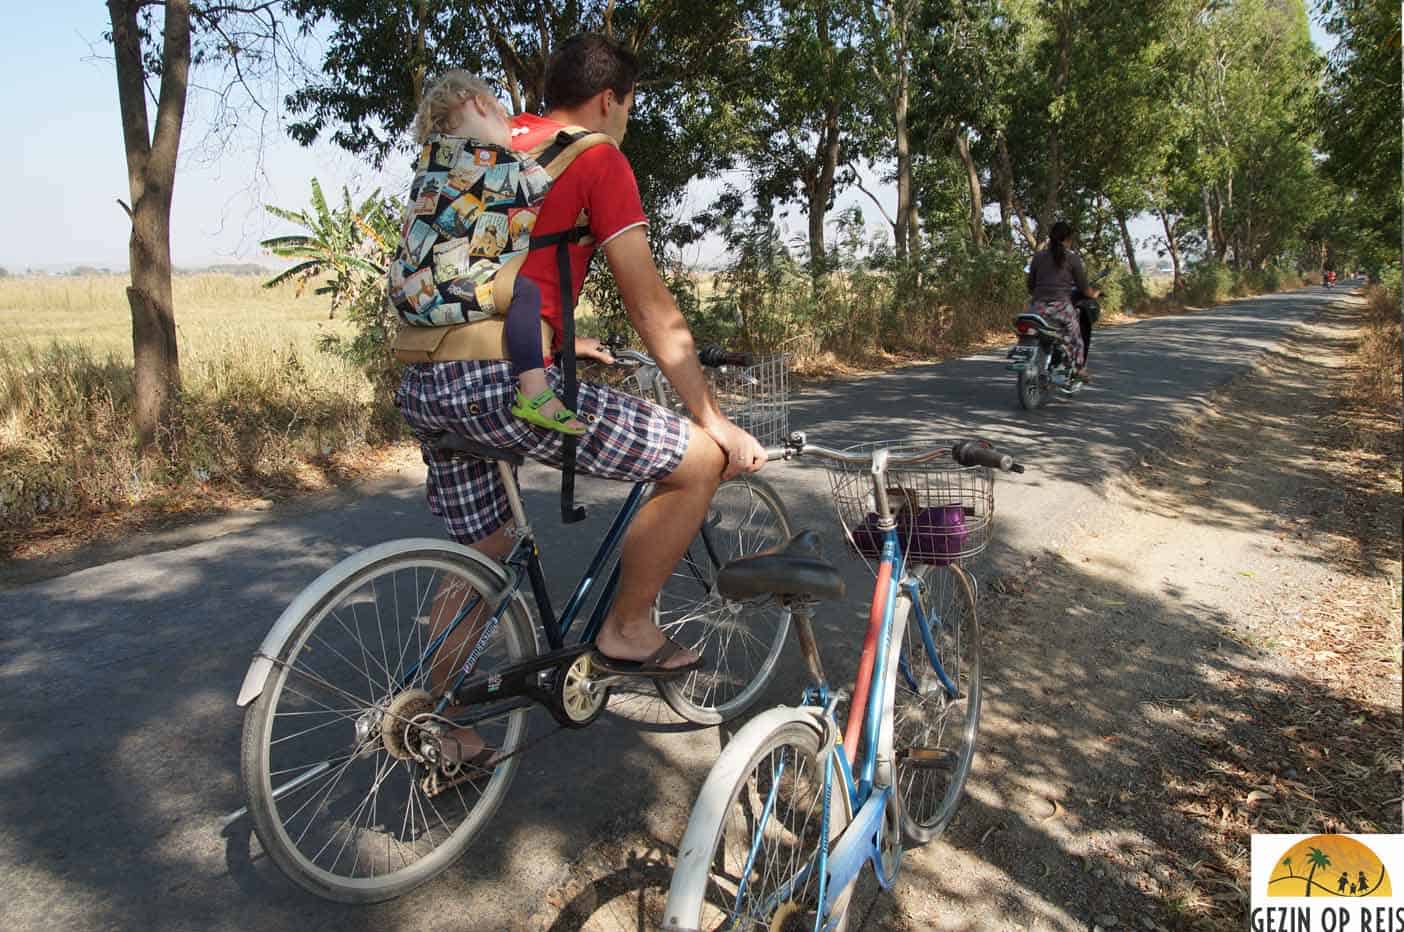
(796,570)
(459,445)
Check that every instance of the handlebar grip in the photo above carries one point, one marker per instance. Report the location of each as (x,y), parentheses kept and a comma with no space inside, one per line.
(980,453)
(713,356)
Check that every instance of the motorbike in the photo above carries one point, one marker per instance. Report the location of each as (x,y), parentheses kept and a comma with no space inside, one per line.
(1041,365)
(1329,279)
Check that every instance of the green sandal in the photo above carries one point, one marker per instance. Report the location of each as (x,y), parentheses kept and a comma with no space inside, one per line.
(529,409)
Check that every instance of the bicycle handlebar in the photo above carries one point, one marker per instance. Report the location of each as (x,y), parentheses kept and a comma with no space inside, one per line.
(711,355)
(714,356)
(965,452)
(980,453)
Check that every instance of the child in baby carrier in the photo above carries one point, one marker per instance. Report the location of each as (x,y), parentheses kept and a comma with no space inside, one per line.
(471,207)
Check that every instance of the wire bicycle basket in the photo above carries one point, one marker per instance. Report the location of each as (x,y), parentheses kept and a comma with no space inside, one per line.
(943,510)
(756,397)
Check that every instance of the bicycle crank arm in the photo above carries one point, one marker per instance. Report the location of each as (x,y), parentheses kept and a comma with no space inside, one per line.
(927,758)
(520,679)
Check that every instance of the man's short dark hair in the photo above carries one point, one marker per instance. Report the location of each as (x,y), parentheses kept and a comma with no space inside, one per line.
(586,64)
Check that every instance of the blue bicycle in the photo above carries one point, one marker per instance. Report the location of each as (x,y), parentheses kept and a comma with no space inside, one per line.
(387,708)
(795,807)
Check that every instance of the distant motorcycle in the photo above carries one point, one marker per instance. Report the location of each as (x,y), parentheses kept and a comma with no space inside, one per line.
(1041,365)
(1328,279)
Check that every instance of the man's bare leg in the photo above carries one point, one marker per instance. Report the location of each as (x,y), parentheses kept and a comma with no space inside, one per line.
(655,543)
(448,601)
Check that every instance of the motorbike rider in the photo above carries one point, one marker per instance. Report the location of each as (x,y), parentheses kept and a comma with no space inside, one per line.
(1053,274)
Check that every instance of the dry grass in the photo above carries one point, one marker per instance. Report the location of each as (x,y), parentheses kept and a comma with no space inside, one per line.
(1378,378)
(262,409)
(213,312)
(1338,723)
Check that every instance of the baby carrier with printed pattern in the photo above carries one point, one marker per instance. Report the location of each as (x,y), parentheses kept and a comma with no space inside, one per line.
(438,327)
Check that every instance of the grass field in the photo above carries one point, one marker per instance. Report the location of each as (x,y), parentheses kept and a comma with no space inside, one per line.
(214,313)
(259,400)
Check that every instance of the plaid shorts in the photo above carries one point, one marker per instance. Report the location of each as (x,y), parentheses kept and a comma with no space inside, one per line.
(626,438)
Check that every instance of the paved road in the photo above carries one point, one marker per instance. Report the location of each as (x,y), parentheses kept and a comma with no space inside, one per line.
(121,736)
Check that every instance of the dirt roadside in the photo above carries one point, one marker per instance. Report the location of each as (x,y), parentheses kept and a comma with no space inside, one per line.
(1217,654)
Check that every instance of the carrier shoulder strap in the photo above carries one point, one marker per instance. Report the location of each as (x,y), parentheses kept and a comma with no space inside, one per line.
(556,155)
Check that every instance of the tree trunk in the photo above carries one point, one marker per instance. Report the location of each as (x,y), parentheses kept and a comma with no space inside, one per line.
(421,27)
(1210,239)
(826,155)
(1004,186)
(1055,142)
(904,170)
(151,165)
(906,231)
(1129,245)
(1006,167)
(820,182)
(1173,247)
(1228,205)
(972,178)
(1247,257)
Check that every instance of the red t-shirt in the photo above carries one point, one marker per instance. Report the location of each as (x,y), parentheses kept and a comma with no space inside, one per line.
(601,182)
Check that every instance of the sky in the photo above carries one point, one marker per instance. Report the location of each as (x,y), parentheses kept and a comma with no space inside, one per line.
(66,169)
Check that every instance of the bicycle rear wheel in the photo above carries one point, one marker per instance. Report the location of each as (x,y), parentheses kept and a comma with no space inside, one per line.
(338,789)
(936,703)
(739,641)
(749,857)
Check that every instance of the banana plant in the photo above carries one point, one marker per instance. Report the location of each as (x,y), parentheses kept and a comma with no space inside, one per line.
(344,251)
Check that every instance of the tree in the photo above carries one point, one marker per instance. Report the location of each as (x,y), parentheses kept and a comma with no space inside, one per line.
(800,109)
(151,166)
(891,43)
(1359,103)
(961,98)
(237,36)
(379,55)
(348,248)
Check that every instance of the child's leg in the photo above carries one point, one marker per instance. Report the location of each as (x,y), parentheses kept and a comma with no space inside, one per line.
(523,337)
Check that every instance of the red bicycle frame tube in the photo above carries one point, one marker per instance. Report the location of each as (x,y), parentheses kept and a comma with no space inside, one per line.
(863,682)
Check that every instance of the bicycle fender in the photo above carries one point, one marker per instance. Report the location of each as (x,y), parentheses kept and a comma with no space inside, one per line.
(306,600)
(695,850)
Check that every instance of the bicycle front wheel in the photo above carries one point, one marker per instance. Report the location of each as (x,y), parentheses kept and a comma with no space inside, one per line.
(340,791)
(749,857)
(740,642)
(936,703)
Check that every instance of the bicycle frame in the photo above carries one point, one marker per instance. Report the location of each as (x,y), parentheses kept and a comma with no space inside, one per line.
(514,686)
(869,791)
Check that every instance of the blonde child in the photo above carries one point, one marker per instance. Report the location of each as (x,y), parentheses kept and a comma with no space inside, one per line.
(467,205)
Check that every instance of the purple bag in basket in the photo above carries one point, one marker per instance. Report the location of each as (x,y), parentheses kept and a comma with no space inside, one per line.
(867,537)
(937,535)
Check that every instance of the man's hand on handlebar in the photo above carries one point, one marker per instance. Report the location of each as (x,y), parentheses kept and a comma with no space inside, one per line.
(744,454)
(590,348)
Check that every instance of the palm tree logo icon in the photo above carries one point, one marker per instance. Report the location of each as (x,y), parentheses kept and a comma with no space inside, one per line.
(1303,870)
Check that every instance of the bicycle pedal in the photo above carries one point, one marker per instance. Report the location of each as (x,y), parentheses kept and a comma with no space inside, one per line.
(927,758)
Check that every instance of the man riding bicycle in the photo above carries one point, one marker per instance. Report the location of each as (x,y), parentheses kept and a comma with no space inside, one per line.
(589,84)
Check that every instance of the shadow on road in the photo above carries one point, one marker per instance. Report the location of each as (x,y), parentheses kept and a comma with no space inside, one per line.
(122,736)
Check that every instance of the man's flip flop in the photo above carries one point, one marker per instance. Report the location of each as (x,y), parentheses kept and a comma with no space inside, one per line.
(651,667)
